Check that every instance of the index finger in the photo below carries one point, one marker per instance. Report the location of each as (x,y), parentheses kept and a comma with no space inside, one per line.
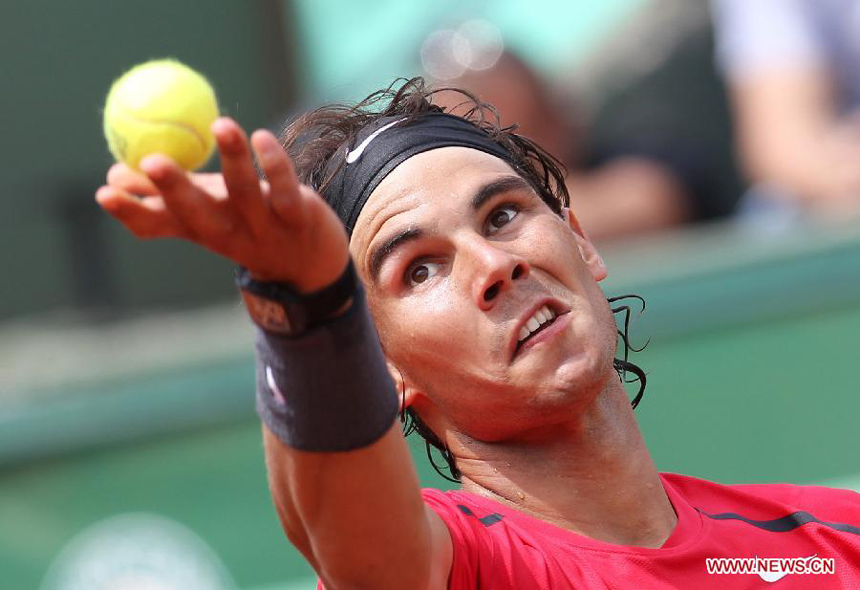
(193,208)
(124,177)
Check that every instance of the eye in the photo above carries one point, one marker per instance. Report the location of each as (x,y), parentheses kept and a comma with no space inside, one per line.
(502,216)
(419,273)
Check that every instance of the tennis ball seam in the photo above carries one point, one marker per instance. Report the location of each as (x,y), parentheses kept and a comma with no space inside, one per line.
(177,124)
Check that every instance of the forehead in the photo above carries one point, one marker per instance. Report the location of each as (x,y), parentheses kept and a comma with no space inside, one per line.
(430,184)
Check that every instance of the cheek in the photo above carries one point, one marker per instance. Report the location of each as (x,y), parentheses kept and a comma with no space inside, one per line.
(433,339)
(554,251)
(552,247)
(420,331)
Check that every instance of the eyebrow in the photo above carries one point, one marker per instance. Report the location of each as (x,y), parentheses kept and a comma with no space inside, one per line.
(483,194)
(380,253)
(506,184)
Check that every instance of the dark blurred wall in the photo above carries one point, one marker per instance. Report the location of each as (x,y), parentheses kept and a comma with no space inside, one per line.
(58,61)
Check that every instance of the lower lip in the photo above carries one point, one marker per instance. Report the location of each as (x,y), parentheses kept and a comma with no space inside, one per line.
(555,328)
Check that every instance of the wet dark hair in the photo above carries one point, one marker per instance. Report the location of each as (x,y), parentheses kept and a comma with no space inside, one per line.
(314,138)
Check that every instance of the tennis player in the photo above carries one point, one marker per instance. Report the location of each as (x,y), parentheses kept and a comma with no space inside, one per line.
(398,259)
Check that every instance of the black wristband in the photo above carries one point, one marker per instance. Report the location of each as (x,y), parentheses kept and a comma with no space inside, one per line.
(279,307)
(329,389)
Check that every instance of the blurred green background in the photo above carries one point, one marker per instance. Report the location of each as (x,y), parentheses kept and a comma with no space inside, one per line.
(125,367)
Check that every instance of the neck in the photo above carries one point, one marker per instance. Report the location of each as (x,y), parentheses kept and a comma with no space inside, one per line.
(596,478)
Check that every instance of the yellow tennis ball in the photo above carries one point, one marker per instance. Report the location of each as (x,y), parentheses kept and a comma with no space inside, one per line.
(161,106)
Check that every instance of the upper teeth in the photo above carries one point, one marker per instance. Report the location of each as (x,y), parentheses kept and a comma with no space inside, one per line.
(541,316)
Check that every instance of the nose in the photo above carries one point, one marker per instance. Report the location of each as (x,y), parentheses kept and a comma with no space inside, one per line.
(494,271)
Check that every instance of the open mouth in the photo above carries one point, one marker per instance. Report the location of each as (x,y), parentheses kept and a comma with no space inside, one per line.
(542,319)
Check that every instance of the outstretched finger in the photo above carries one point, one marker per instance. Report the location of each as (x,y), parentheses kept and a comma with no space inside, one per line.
(145,218)
(126,178)
(283,185)
(194,209)
(240,175)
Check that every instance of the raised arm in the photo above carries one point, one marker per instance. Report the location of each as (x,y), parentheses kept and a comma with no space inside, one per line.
(357,515)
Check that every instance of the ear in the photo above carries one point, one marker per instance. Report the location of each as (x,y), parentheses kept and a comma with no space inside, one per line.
(405,393)
(587,250)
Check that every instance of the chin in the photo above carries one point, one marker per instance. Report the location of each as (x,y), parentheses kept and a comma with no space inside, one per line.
(575,382)
(539,404)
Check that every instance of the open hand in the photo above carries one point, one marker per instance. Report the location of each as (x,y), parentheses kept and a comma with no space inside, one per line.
(280,229)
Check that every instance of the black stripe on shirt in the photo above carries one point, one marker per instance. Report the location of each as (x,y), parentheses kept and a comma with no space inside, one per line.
(488,520)
(786,523)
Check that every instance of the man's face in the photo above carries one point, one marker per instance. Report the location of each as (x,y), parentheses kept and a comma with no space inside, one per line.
(457,254)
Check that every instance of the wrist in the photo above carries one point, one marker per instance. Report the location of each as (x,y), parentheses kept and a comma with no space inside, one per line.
(283,308)
(329,390)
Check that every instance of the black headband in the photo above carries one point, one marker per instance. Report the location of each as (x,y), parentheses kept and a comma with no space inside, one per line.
(384,144)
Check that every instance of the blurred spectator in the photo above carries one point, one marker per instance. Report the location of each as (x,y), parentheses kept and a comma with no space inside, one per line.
(626,195)
(644,181)
(793,67)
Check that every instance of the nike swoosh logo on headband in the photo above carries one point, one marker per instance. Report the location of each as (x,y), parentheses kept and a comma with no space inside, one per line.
(355,154)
